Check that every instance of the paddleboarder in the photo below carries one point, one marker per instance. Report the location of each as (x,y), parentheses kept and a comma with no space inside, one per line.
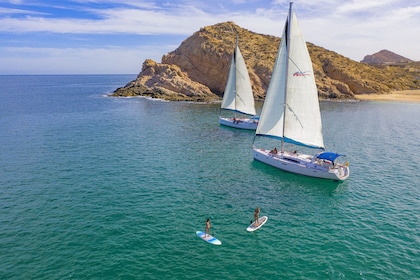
(256,215)
(208,225)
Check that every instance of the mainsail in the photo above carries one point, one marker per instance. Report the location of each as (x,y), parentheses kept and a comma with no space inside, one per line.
(238,94)
(298,119)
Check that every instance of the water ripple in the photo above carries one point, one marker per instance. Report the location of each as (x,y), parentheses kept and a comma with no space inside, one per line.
(94,187)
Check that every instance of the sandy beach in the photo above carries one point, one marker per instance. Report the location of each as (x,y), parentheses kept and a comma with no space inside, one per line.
(404,96)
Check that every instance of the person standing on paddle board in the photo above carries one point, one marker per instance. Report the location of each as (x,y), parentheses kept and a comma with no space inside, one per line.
(208,225)
(256,214)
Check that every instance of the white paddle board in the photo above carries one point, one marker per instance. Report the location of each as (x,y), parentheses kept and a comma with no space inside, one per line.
(261,221)
(207,237)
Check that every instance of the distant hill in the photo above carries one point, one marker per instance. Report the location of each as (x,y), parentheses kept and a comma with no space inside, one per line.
(197,70)
(384,57)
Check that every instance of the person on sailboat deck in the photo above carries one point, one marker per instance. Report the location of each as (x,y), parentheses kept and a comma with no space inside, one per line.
(274,151)
(235,120)
(256,214)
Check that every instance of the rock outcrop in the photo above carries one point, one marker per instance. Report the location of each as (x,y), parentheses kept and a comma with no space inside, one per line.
(385,57)
(206,56)
(166,81)
(197,70)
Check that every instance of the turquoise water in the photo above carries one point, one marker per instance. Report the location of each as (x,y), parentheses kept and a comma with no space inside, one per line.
(93,187)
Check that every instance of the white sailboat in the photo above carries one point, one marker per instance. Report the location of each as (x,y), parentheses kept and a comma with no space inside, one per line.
(238,95)
(291,112)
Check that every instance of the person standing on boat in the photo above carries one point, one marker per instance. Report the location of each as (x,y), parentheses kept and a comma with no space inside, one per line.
(208,225)
(256,215)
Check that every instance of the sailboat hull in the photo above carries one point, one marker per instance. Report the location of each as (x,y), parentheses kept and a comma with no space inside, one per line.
(302,164)
(241,123)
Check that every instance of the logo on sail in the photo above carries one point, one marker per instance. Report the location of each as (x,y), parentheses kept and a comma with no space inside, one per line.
(301,74)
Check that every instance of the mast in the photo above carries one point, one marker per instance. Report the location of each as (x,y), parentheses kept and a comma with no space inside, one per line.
(235,53)
(289,20)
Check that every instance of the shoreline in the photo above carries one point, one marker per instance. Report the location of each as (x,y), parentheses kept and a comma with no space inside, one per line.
(403,96)
(408,96)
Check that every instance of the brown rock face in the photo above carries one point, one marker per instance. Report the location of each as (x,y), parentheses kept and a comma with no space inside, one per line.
(197,70)
(166,82)
(206,56)
(385,57)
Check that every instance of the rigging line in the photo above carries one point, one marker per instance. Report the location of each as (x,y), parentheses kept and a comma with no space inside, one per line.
(287,105)
(243,76)
(238,96)
(294,114)
(297,66)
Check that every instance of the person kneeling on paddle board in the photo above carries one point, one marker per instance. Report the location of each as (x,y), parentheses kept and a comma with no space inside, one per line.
(208,225)
(256,214)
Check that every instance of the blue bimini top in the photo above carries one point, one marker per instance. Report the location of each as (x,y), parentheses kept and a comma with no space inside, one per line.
(328,156)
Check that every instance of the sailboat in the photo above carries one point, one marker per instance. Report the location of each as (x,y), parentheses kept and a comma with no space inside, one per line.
(238,97)
(291,113)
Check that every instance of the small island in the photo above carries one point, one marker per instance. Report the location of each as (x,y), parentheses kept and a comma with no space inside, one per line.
(197,70)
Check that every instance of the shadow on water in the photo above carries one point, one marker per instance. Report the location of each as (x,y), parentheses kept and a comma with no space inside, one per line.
(290,180)
(238,130)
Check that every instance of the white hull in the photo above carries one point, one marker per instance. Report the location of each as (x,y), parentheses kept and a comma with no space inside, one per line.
(241,123)
(302,164)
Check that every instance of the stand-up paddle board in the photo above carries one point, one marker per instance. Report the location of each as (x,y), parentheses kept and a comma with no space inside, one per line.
(207,237)
(261,221)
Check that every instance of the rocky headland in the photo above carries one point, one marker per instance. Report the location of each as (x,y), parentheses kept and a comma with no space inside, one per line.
(197,70)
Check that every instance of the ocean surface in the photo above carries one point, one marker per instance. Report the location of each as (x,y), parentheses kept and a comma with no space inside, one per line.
(95,187)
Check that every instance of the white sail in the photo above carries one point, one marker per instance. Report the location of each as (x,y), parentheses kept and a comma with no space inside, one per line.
(229,96)
(271,118)
(238,94)
(292,85)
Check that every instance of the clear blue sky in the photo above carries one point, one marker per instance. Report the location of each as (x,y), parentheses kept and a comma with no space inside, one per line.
(116,36)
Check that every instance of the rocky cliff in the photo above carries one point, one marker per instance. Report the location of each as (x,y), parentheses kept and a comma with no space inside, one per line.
(166,81)
(197,70)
